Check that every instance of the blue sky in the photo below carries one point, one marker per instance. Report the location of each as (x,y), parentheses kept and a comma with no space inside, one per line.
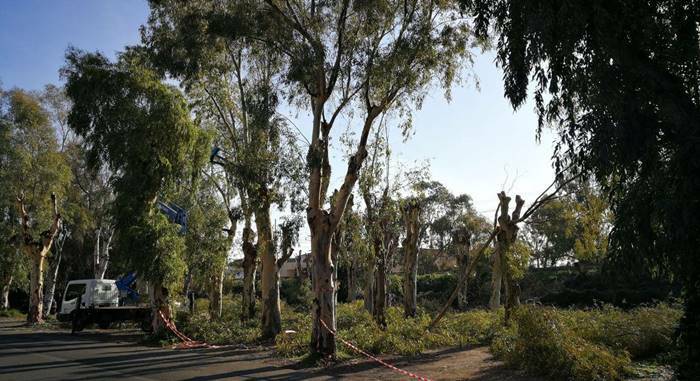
(473,143)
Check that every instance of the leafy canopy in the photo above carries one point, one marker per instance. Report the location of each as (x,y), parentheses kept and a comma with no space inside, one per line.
(141,128)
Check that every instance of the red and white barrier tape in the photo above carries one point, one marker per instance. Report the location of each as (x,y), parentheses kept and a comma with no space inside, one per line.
(186,343)
(386,364)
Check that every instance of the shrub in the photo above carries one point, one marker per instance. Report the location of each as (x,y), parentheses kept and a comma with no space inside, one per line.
(592,344)
(475,327)
(539,342)
(12,313)
(297,293)
(643,331)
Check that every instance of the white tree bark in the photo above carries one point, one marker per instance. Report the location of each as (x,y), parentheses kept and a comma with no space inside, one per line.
(5,302)
(100,255)
(50,285)
(37,250)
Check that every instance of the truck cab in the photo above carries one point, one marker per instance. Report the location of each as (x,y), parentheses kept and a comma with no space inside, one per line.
(91,293)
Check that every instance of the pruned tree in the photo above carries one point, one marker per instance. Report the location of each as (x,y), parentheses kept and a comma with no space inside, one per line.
(461,241)
(508,244)
(505,239)
(411,211)
(30,164)
(54,261)
(37,250)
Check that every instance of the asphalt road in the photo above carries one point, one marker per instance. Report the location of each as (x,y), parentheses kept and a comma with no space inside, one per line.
(37,355)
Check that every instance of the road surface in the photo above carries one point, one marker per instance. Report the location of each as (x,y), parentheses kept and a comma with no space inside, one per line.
(33,354)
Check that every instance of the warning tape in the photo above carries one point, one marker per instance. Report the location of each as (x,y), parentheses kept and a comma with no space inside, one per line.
(358,350)
(186,343)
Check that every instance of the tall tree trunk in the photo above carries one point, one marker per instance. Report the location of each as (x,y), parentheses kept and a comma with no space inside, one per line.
(380,296)
(350,275)
(461,238)
(101,253)
(37,250)
(271,315)
(216,291)
(496,280)
(410,283)
(335,246)
(36,288)
(462,264)
(323,224)
(161,304)
(5,302)
(249,264)
(411,214)
(50,285)
(323,310)
(369,287)
(189,295)
(504,241)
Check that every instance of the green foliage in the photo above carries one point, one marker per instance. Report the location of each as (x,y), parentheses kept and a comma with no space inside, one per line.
(297,293)
(30,163)
(575,226)
(206,241)
(12,313)
(444,211)
(594,344)
(403,336)
(519,255)
(539,342)
(140,128)
(643,332)
(229,329)
(585,344)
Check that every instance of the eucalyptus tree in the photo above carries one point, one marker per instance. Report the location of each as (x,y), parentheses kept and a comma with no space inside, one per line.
(56,105)
(375,55)
(352,250)
(33,169)
(207,240)
(272,174)
(11,261)
(286,237)
(411,212)
(140,128)
(382,220)
(235,83)
(37,250)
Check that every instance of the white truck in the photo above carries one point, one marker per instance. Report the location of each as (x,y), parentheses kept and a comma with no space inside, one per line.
(98,301)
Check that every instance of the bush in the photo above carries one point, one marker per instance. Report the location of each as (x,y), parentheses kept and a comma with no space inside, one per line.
(297,293)
(594,344)
(475,327)
(403,336)
(643,332)
(229,329)
(539,342)
(12,313)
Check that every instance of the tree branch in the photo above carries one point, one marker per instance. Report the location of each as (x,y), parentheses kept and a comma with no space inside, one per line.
(463,276)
